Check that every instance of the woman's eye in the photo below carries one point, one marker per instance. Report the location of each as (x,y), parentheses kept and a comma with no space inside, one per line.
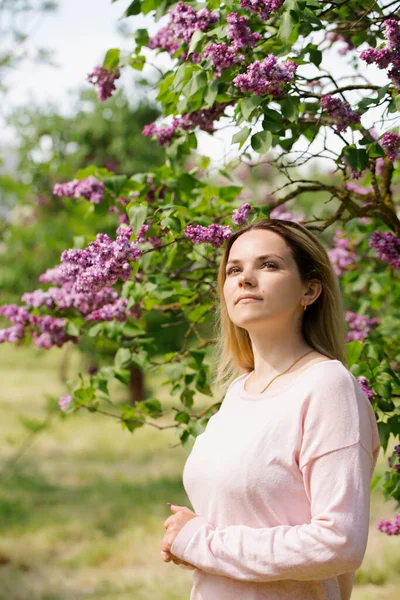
(267,263)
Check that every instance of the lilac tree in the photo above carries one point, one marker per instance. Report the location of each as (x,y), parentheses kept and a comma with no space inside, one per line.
(278,73)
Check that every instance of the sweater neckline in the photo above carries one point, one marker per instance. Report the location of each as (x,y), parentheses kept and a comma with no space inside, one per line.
(245,395)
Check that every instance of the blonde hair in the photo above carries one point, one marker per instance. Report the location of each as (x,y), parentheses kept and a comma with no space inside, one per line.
(323,325)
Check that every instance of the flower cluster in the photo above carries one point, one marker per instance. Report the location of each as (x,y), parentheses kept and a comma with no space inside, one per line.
(203,118)
(240,33)
(104,79)
(364,384)
(280,212)
(116,311)
(102,263)
(213,234)
(263,8)
(266,77)
(64,401)
(340,111)
(334,36)
(340,255)
(391,144)
(360,326)
(397,466)
(388,55)
(390,527)
(221,57)
(183,22)
(240,215)
(387,246)
(89,188)
(47,331)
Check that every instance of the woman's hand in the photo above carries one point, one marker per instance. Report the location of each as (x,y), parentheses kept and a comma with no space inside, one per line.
(173,525)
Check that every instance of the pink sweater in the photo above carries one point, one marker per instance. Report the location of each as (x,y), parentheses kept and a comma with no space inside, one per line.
(281,481)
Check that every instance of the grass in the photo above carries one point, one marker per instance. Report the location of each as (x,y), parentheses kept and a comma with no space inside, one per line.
(82,512)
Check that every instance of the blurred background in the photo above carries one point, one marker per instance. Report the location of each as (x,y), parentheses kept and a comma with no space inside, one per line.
(82,501)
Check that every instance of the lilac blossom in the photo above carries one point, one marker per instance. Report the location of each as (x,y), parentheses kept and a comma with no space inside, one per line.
(14,313)
(390,527)
(240,33)
(64,402)
(340,111)
(104,79)
(364,384)
(213,234)
(241,214)
(221,57)
(89,188)
(340,255)
(263,8)
(266,77)
(360,326)
(183,22)
(280,212)
(387,246)
(335,36)
(391,144)
(203,118)
(102,263)
(388,55)
(12,334)
(358,189)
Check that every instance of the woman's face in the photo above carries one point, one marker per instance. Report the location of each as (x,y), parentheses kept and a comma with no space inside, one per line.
(274,279)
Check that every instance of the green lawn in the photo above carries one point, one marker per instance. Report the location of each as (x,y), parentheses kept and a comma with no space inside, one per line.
(82,513)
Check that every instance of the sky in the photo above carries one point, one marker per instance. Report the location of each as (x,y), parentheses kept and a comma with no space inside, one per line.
(80,33)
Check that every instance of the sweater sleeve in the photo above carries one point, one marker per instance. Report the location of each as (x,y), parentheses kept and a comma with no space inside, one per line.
(337,483)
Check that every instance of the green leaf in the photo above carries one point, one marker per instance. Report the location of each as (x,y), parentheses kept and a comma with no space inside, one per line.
(137,62)
(182,417)
(290,108)
(375,150)
(196,83)
(286,26)
(133,9)
(241,136)
(195,40)
(356,157)
(261,141)
(353,350)
(210,94)
(122,357)
(315,56)
(111,59)
(248,105)
(72,329)
(137,216)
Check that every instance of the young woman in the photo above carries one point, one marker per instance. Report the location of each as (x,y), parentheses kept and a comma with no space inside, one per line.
(280,478)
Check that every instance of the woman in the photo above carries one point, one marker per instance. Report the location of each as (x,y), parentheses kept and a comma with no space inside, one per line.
(280,478)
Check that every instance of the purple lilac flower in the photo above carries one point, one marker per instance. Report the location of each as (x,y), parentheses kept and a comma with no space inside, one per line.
(266,77)
(240,33)
(203,118)
(117,311)
(364,384)
(64,402)
(104,79)
(387,246)
(388,55)
(183,22)
(390,527)
(335,36)
(280,212)
(358,189)
(360,324)
(89,188)
(14,313)
(221,57)
(12,334)
(141,237)
(340,111)
(240,215)
(51,332)
(391,144)
(213,234)
(102,263)
(340,255)
(263,8)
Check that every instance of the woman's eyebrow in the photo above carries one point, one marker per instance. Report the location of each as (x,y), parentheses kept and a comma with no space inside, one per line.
(238,260)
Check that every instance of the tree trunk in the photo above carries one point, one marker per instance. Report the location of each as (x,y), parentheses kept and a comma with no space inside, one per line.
(136,385)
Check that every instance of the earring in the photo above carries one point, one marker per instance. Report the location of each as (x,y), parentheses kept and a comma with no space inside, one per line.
(304,306)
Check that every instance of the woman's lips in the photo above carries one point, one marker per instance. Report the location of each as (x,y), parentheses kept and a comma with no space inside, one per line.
(246,300)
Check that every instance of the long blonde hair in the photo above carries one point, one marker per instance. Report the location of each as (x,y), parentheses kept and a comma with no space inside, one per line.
(323,325)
